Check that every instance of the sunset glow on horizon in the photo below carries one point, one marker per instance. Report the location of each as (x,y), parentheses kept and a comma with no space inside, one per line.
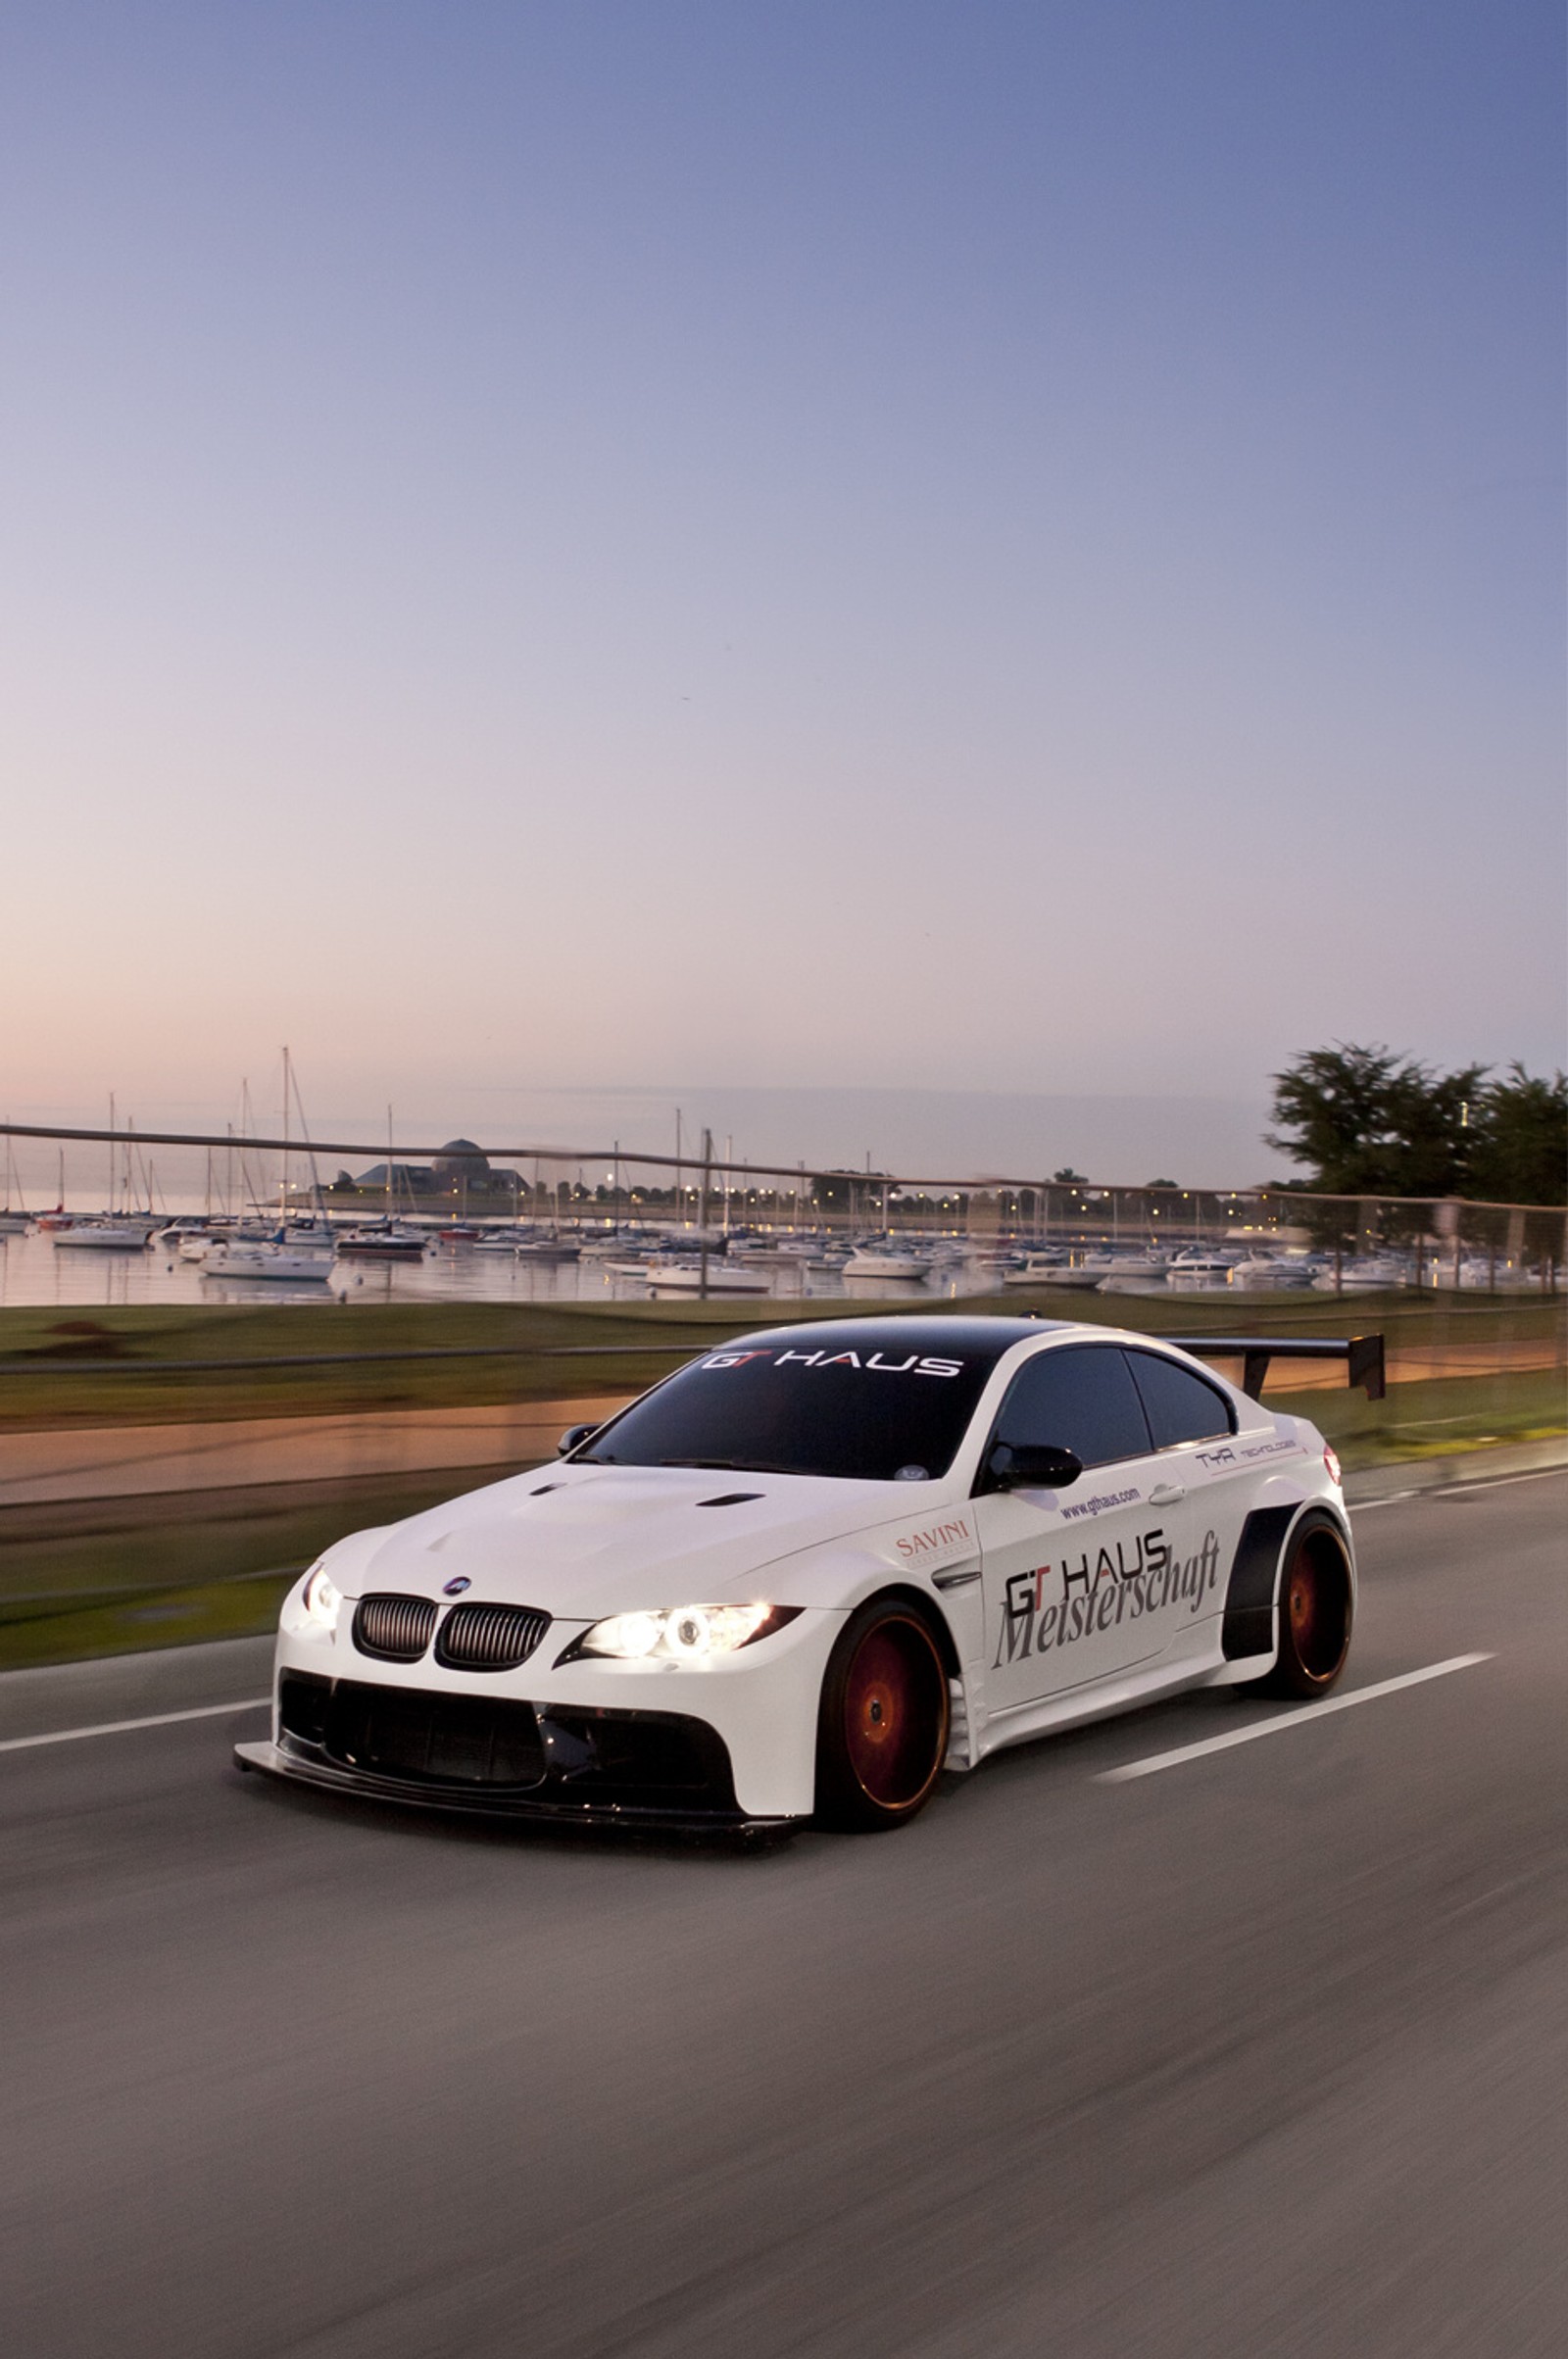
(1009,550)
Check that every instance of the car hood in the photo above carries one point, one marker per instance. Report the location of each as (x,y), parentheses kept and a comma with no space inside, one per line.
(588,1541)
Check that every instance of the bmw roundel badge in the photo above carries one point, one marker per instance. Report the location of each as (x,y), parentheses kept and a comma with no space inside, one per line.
(456,1588)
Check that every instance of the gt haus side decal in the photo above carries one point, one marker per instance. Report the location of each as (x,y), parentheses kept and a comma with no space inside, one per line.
(1099,1591)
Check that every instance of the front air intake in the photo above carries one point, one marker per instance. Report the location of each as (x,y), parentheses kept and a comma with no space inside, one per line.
(395,1630)
(489,1638)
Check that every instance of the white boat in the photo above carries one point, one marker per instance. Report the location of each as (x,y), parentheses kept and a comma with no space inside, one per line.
(723,1277)
(884,1257)
(13,1225)
(1272,1273)
(282,1258)
(1363,1274)
(1051,1267)
(121,1233)
(173,1233)
(1201,1267)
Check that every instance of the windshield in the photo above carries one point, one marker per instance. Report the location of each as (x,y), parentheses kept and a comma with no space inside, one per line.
(876,1409)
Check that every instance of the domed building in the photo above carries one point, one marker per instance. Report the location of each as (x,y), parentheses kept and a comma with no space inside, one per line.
(460,1171)
(459,1165)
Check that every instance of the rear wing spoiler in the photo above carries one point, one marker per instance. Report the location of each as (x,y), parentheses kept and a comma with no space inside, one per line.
(1362,1354)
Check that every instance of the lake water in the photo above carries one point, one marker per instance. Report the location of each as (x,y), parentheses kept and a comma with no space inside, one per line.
(35,1271)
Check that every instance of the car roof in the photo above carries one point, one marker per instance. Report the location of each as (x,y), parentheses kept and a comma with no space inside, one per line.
(940,1335)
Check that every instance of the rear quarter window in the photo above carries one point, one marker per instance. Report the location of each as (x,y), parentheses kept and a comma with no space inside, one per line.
(1180,1406)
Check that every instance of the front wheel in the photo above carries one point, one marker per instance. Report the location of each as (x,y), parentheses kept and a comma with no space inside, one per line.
(882,1727)
(1314,1611)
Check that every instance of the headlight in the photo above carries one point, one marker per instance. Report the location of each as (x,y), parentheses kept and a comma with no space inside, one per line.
(681,1634)
(320,1599)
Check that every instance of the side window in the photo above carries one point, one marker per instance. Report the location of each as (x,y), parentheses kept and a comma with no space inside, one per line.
(1181,1406)
(1082,1397)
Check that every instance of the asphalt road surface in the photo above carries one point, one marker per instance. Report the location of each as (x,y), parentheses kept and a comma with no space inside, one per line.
(1263,2053)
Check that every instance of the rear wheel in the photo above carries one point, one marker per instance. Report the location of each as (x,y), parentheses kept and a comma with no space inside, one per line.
(1314,1611)
(882,1729)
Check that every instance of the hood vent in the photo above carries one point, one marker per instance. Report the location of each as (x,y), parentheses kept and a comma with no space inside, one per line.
(489,1638)
(395,1630)
(731,1499)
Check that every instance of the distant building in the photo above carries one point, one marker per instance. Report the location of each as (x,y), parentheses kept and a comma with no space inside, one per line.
(461,1165)
(461,1172)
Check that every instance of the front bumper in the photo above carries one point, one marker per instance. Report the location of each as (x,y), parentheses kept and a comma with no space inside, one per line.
(728,1743)
(503,1756)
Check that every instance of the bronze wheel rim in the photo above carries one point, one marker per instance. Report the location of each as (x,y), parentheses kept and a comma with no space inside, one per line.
(895,1713)
(1317,1609)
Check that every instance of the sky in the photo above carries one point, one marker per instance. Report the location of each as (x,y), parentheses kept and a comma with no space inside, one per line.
(947,554)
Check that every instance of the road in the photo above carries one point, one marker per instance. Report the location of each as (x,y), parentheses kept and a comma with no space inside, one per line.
(1264,2054)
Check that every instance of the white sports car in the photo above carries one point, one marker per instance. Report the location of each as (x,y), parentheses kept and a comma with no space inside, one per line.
(819,1565)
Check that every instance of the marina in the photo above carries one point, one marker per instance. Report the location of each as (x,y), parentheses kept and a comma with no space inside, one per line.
(89,1260)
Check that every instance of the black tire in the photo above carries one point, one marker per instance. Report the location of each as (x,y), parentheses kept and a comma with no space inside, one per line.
(1315,1612)
(882,1725)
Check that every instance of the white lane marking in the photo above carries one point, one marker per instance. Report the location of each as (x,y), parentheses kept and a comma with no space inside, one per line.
(1283,1720)
(114,1728)
(1478,1482)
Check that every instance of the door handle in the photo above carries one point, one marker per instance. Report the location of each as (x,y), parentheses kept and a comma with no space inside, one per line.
(1165,1495)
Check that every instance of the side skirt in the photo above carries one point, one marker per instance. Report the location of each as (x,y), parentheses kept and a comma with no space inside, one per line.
(1103,1700)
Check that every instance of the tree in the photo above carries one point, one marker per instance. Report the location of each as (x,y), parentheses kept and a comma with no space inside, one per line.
(1521,1152)
(1365,1123)
(1069,1178)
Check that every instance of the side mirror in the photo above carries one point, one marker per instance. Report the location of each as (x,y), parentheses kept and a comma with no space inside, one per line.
(573,1439)
(1032,1466)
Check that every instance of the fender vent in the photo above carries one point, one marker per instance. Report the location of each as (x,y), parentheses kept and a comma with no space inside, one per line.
(489,1638)
(395,1630)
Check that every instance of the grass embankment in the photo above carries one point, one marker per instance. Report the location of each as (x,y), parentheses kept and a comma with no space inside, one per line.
(144,1364)
(111,1577)
(118,1575)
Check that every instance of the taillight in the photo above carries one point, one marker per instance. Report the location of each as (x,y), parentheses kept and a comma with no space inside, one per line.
(1331,1461)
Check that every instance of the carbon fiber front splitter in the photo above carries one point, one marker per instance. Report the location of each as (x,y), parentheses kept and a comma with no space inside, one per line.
(557,1807)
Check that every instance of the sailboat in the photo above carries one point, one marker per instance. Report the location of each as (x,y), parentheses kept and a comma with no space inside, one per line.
(281,1255)
(384,1240)
(120,1230)
(296,1252)
(13,1223)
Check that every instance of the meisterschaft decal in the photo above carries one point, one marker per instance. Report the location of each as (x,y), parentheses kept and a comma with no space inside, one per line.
(1102,1592)
(938,1544)
(1098,1507)
(918,1365)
